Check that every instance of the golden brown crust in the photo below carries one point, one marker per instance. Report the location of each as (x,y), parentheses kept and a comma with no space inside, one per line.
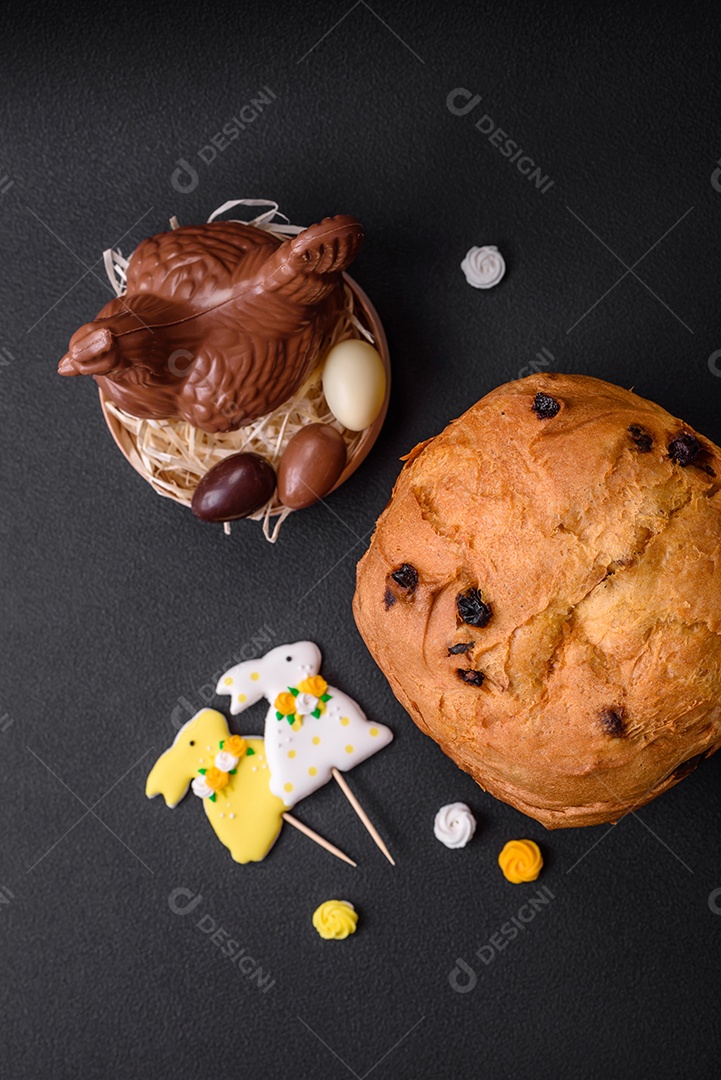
(600,558)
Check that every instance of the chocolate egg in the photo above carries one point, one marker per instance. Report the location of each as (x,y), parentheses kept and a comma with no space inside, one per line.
(234,488)
(354,383)
(313,460)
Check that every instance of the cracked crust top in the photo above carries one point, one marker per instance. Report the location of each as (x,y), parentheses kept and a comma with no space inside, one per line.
(543,593)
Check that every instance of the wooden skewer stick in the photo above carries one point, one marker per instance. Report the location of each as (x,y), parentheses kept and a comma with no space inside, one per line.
(343,784)
(318,839)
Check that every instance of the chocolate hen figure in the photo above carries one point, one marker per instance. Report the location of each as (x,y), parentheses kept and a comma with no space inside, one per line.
(220,323)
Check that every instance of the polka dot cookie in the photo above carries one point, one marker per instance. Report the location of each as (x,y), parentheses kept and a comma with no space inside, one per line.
(310,727)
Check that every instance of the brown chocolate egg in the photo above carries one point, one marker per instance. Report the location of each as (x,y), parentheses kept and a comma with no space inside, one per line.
(313,460)
(234,488)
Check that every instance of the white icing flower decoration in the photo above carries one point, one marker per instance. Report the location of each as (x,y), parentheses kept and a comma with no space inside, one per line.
(200,788)
(483,267)
(454,825)
(225,761)
(305,704)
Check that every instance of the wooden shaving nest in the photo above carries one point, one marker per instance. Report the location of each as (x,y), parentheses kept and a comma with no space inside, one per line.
(173,455)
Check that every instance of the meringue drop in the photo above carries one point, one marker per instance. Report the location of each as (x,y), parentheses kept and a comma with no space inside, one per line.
(483,266)
(454,825)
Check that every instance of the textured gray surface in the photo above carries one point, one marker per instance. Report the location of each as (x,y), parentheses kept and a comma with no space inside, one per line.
(116,604)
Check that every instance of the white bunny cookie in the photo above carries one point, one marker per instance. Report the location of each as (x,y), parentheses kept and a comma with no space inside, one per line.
(310,727)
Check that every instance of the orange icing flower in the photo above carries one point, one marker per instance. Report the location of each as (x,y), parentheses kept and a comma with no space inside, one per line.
(313,684)
(521,860)
(285,703)
(216,778)
(235,745)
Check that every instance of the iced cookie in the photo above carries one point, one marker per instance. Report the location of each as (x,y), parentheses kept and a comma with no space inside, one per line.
(310,727)
(231,776)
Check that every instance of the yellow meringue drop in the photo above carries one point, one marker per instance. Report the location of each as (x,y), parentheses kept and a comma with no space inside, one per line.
(335,919)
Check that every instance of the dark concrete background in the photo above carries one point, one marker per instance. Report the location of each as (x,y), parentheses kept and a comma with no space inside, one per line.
(117,604)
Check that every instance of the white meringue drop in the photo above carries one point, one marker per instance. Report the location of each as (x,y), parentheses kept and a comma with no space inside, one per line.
(454,825)
(483,266)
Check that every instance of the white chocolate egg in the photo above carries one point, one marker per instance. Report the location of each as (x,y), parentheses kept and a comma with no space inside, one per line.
(354,383)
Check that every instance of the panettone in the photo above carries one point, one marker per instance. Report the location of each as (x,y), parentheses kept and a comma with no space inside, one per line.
(543,593)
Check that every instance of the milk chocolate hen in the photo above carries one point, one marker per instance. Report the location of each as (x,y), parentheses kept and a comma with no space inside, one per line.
(220,323)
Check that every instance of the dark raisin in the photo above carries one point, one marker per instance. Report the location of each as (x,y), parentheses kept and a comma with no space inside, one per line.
(687,767)
(406,576)
(684,449)
(461,647)
(471,608)
(472,678)
(643,441)
(389,599)
(544,406)
(613,722)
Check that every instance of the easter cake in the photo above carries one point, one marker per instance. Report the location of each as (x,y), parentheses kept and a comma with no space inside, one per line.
(543,593)
(233,352)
